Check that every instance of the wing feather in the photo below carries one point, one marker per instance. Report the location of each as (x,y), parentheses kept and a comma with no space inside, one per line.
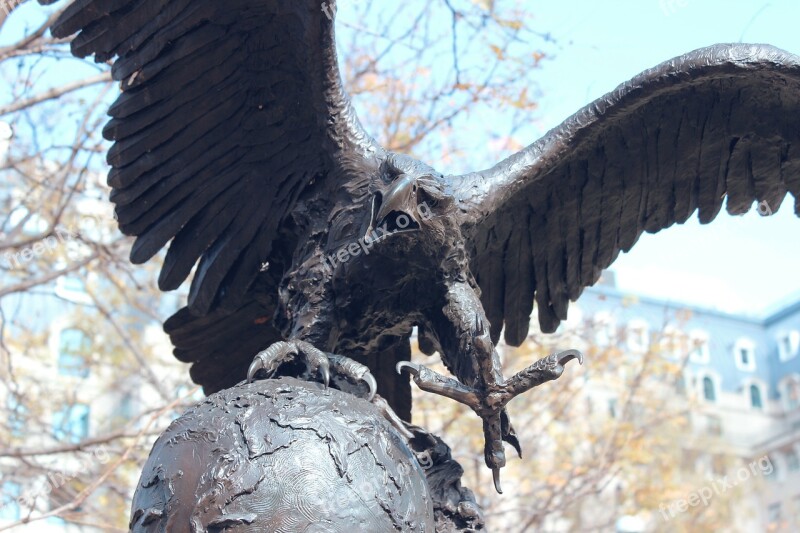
(718,125)
(228,111)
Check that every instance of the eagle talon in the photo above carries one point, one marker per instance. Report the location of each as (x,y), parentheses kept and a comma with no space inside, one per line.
(489,402)
(496,479)
(542,371)
(318,364)
(411,367)
(569,355)
(255,366)
(372,385)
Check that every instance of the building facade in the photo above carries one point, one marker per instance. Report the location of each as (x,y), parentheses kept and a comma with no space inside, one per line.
(741,381)
(741,385)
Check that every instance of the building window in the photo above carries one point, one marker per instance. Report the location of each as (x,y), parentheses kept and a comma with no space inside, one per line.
(73,289)
(792,462)
(774,514)
(755,397)
(612,407)
(791,392)
(73,351)
(709,391)
(680,385)
(788,345)
(638,336)
(698,344)
(126,410)
(71,424)
(796,502)
(9,500)
(744,353)
(674,343)
(16,415)
(604,329)
(772,475)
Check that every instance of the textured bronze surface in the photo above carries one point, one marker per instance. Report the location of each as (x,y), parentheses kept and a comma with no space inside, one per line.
(236,144)
(285,455)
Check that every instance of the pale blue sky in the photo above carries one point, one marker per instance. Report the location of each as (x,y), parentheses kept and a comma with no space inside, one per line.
(744,263)
(737,263)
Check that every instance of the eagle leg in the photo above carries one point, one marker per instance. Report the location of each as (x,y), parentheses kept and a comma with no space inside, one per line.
(319,365)
(461,333)
(347,375)
(491,407)
(542,371)
(493,426)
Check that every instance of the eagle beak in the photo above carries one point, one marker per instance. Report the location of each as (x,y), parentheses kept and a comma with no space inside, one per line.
(401,197)
(397,209)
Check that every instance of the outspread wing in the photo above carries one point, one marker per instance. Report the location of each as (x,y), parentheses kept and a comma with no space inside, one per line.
(228,111)
(720,122)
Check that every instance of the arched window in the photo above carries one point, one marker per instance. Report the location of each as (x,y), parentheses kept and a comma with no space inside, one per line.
(71,424)
(709,392)
(73,350)
(755,397)
(791,390)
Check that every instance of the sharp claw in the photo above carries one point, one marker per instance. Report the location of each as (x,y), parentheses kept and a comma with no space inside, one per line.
(369,379)
(514,442)
(414,369)
(325,371)
(496,478)
(255,366)
(569,355)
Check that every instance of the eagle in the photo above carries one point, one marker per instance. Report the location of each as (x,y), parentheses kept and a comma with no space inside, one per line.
(309,244)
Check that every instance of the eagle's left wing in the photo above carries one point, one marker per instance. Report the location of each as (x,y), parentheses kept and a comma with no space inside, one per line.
(719,122)
(229,112)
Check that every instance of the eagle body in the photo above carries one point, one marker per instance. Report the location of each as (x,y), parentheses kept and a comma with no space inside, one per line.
(236,146)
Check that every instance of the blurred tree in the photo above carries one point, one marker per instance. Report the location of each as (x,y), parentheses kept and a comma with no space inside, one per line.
(608,442)
(86,377)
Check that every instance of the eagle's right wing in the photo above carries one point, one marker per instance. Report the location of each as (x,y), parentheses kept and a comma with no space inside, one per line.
(720,124)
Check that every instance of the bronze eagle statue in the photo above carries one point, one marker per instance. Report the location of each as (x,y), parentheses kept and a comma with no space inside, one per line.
(236,144)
